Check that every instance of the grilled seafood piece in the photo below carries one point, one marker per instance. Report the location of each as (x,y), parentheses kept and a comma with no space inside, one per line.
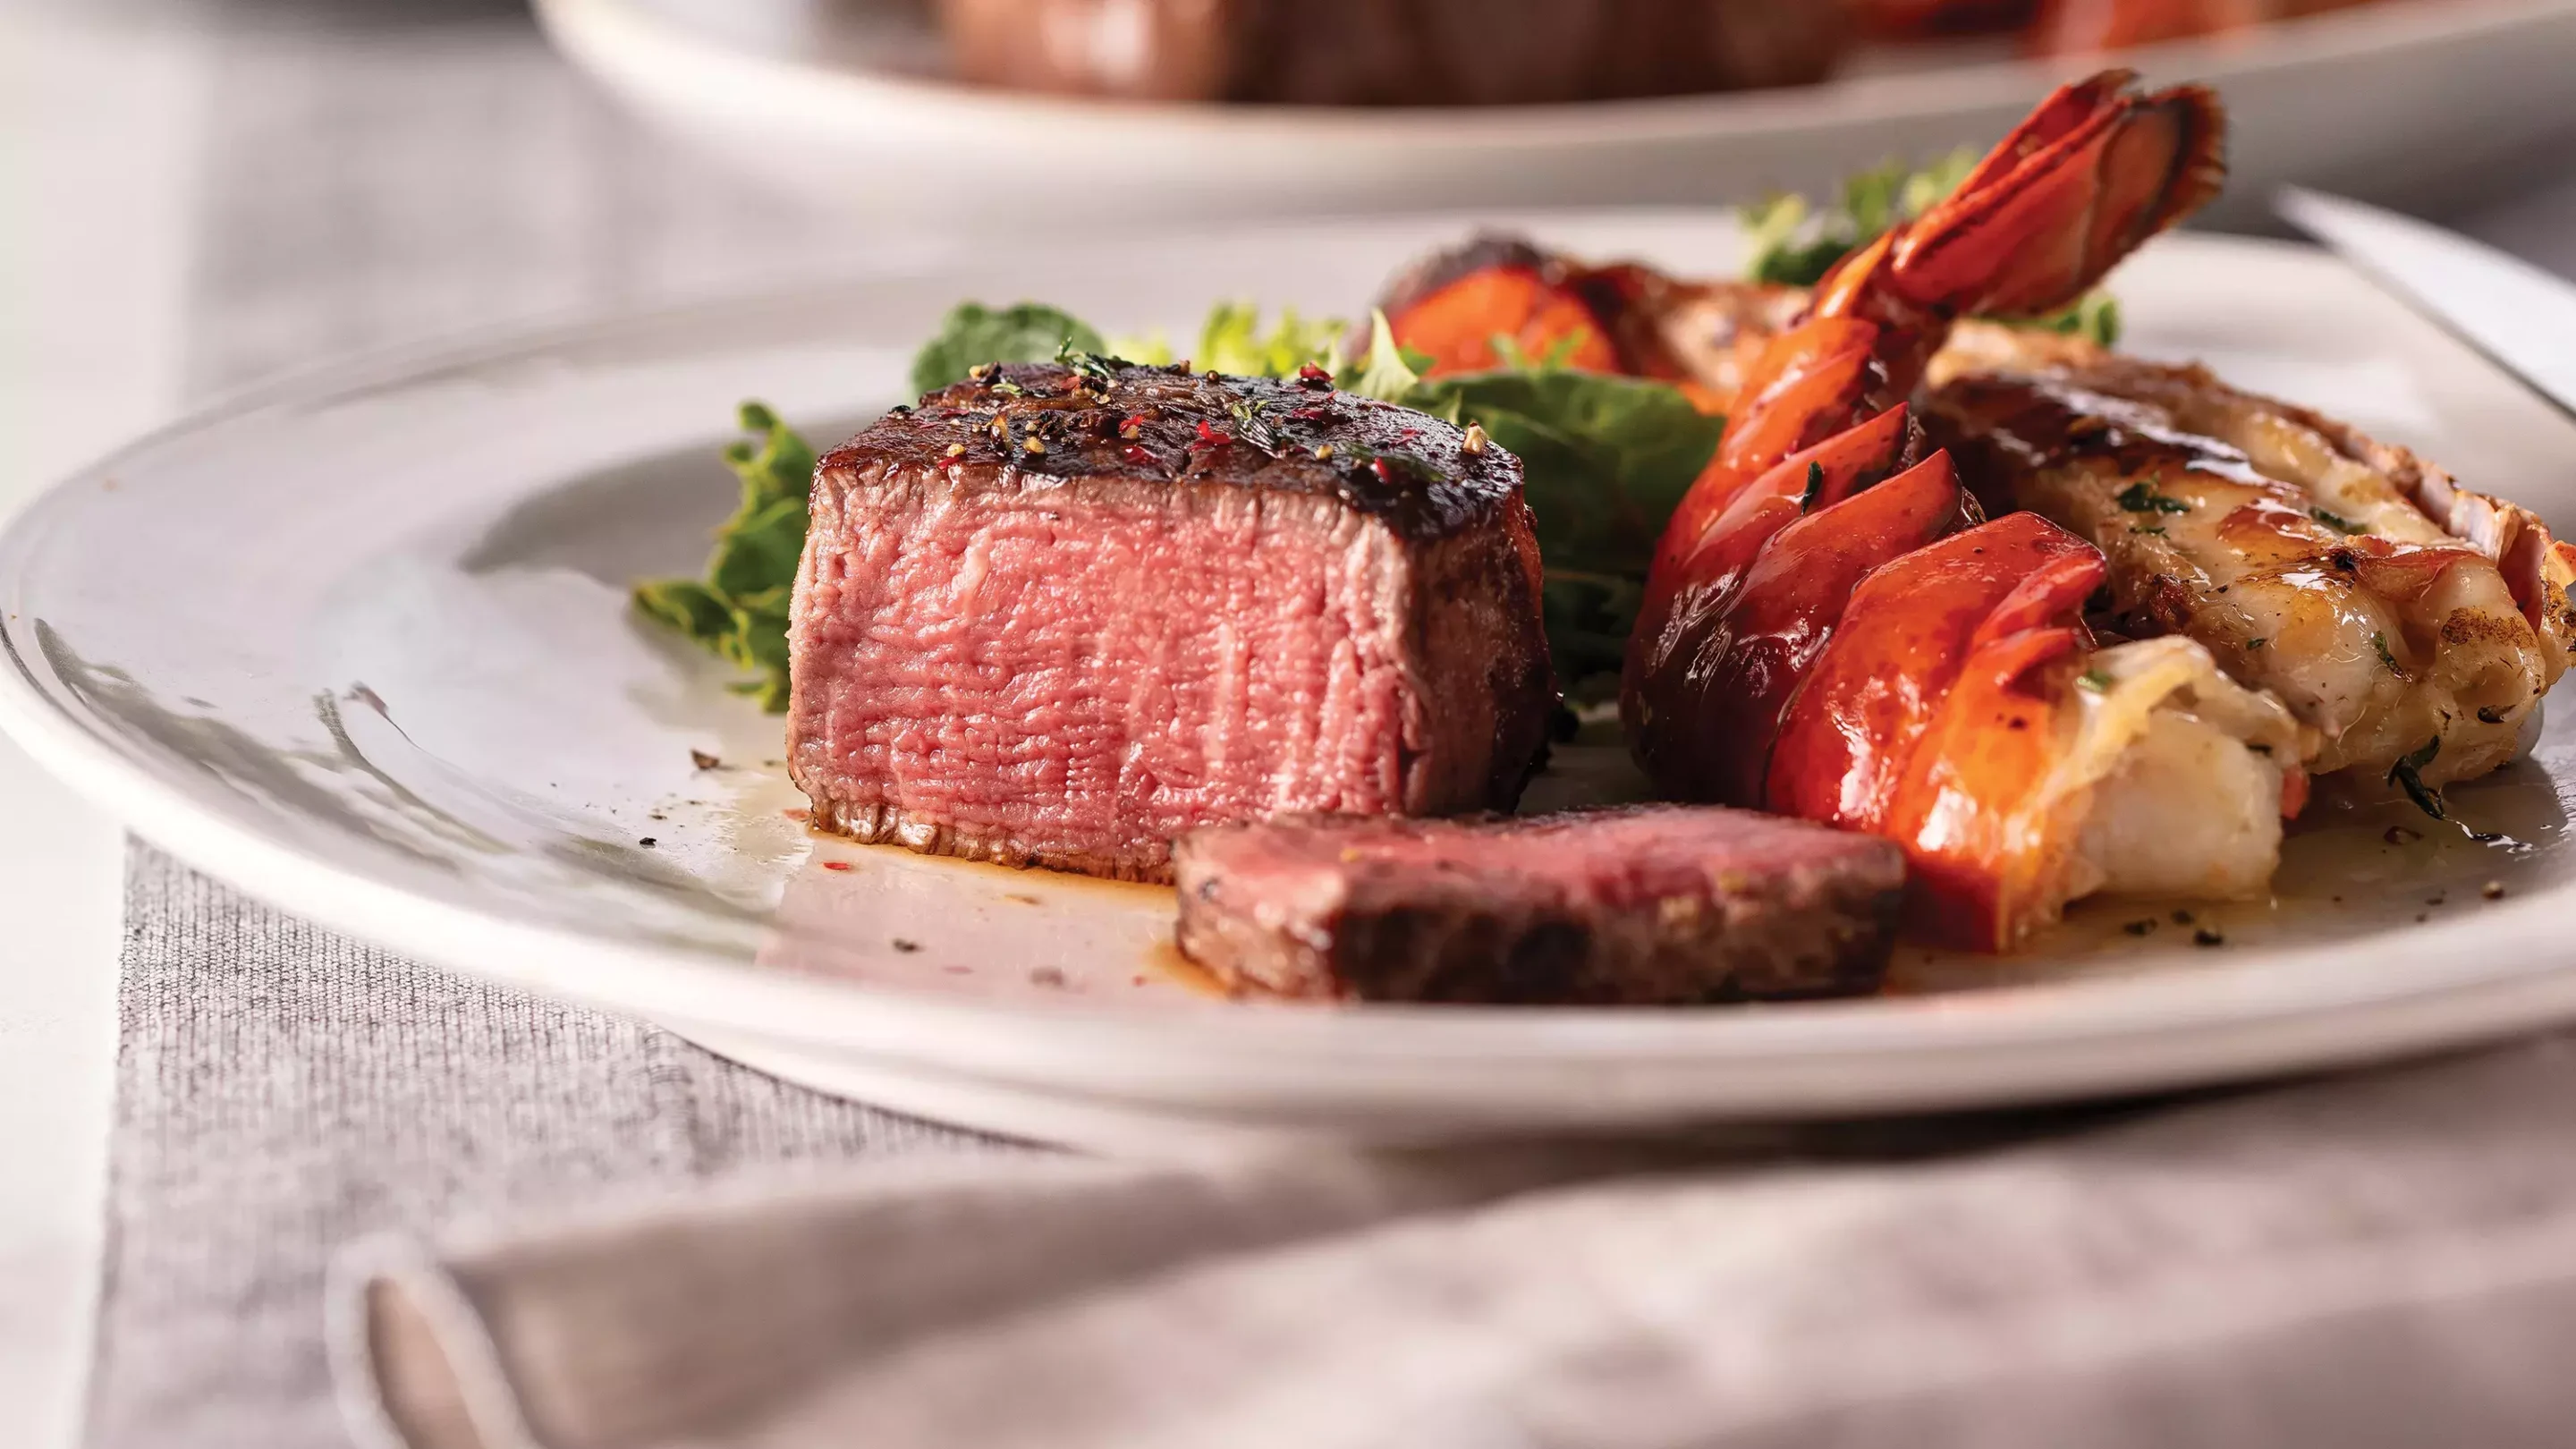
(1961,709)
(1463,307)
(1875,669)
(2409,621)
(1820,639)
(2092,172)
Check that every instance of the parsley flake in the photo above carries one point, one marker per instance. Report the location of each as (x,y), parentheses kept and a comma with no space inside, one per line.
(2335,521)
(2139,497)
(1815,487)
(2094,679)
(1091,367)
(1251,426)
(2380,643)
(2407,775)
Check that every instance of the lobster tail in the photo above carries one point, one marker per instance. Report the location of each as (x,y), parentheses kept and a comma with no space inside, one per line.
(2093,174)
(1907,632)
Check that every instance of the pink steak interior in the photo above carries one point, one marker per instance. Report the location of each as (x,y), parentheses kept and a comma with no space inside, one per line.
(1017,675)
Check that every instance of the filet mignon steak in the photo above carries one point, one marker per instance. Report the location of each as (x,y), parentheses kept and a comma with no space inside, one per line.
(1647,905)
(1058,616)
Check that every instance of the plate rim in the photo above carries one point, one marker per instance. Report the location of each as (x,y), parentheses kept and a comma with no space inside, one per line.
(2491,955)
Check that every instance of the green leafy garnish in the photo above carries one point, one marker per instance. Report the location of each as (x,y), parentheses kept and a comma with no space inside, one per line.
(1606,460)
(2334,521)
(1252,424)
(1787,250)
(2094,680)
(739,609)
(1233,342)
(1815,487)
(2253,644)
(1091,367)
(2407,775)
(1509,351)
(973,334)
(1390,374)
(2380,643)
(2141,498)
(1588,618)
(1796,242)
(2095,317)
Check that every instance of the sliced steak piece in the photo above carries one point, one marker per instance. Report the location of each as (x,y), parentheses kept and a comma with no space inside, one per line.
(1649,905)
(1055,617)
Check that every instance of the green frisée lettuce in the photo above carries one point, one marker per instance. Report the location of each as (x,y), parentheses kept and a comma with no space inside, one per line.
(1606,460)
(1388,373)
(2095,317)
(973,334)
(1234,342)
(1797,241)
(738,609)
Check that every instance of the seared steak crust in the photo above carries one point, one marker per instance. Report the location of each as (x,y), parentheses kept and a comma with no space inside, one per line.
(1123,426)
(1056,617)
(1648,905)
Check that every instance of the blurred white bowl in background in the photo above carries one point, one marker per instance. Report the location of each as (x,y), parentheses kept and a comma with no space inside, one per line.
(848,104)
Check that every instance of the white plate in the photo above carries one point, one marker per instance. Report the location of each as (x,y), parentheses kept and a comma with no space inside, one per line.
(845,105)
(359,643)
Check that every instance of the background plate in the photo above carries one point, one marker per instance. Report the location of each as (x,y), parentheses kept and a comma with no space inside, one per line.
(359,643)
(845,103)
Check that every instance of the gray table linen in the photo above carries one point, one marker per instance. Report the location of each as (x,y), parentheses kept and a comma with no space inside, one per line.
(2381,1260)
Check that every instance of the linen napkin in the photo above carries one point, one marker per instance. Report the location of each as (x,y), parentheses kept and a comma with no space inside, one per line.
(2376,1260)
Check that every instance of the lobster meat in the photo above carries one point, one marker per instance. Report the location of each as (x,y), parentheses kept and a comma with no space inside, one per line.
(2412,623)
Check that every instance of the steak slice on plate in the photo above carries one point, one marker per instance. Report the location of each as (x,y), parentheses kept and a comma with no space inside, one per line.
(1652,904)
(1057,617)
